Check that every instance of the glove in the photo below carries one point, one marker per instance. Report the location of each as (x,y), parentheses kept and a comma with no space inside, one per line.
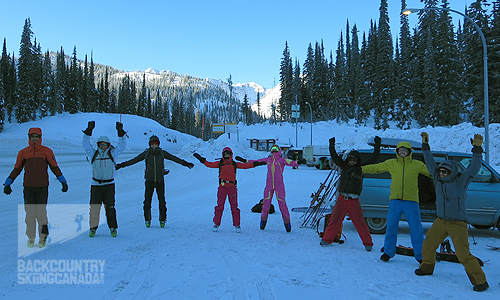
(189,165)
(7,190)
(64,187)
(201,159)
(239,158)
(90,127)
(425,137)
(332,142)
(118,166)
(477,141)
(378,141)
(119,128)
(259,163)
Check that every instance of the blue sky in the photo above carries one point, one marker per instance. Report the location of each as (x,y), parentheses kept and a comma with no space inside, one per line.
(200,38)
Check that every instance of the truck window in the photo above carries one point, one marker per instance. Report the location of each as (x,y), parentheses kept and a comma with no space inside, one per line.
(484,174)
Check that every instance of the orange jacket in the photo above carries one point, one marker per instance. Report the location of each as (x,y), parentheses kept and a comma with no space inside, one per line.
(35,159)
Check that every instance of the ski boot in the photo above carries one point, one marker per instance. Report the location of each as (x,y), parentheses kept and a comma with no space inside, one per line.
(148,224)
(262,224)
(288,227)
(31,242)
(237,228)
(42,242)
(215,228)
(92,232)
(113,232)
(162,224)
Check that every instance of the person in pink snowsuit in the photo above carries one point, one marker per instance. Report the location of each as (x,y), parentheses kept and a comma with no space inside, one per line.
(274,184)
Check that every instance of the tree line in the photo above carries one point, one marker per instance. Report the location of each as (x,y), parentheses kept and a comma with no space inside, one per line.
(431,74)
(39,84)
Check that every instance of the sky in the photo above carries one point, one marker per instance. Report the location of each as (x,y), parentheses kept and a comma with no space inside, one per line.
(207,39)
(186,260)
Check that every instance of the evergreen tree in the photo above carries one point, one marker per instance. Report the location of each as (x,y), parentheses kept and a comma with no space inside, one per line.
(141,101)
(473,60)
(85,105)
(384,73)
(493,38)
(364,98)
(73,94)
(403,71)
(307,77)
(9,79)
(341,102)
(60,82)
(26,105)
(91,86)
(449,99)
(48,86)
(286,80)
(245,110)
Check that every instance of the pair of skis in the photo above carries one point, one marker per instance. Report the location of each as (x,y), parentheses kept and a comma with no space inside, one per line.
(320,199)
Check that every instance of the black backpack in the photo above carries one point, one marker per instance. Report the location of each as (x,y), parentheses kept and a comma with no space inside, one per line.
(257,208)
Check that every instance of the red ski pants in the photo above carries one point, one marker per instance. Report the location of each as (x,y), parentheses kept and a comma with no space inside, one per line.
(232,194)
(341,208)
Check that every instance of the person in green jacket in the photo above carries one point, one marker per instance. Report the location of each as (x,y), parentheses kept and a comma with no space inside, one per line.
(403,198)
(154,157)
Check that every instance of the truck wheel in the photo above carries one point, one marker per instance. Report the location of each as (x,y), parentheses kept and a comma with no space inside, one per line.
(376,225)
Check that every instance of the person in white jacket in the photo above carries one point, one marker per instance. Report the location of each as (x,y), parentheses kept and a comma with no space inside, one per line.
(102,189)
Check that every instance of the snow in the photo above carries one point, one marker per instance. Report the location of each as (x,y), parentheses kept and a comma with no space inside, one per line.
(186,260)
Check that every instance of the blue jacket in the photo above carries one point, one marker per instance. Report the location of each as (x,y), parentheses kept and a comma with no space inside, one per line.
(451,191)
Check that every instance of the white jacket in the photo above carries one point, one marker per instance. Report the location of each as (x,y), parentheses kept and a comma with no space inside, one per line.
(102,167)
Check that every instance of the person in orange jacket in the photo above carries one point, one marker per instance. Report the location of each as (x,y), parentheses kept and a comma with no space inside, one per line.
(35,159)
(227,185)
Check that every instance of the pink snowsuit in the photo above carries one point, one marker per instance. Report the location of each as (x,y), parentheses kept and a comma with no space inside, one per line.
(274,183)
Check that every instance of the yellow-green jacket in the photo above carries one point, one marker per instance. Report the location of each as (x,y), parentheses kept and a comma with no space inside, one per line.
(404,174)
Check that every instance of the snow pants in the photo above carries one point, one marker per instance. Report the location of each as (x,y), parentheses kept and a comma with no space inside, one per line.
(341,208)
(457,230)
(102,194)
(35,206)
(232,194)
(280,196)
(411,210)
(148,198)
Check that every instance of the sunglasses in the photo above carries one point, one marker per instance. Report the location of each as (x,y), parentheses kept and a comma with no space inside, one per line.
(443,171)
(34,135)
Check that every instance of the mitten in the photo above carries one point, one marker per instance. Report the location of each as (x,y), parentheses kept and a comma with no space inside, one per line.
(189,165)
(259,163)
(90,127)
(201,159)
(118,166)
(239,158)
(64,187)
(7,190)
(332,142)
(425,137)
(119,129)
(378,141)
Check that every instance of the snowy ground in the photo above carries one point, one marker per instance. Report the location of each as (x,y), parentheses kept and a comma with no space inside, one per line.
(186,260)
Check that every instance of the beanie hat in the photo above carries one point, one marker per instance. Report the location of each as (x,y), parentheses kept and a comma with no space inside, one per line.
(154,140)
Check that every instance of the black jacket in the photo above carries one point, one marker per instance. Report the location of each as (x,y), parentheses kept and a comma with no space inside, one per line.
(154,163)
(351,178)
